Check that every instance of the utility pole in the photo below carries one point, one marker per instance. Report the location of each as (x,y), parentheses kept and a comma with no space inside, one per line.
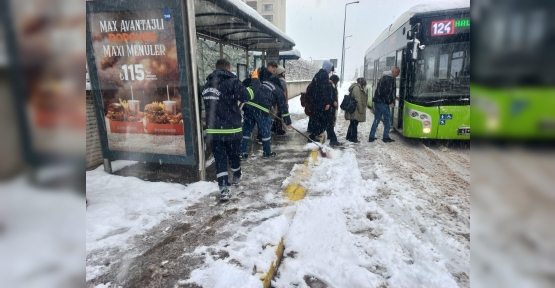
(343,48)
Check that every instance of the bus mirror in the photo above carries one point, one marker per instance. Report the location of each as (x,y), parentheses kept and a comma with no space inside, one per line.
(413,47)
(411,33)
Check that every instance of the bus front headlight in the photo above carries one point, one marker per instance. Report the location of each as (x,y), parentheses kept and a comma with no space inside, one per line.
(423,117)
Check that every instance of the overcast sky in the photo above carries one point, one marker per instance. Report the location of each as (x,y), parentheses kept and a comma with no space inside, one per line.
(316,26)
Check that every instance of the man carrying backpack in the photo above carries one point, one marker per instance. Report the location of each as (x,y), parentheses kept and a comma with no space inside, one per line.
(322,93)
(384,97)
(267,92)
(223,120)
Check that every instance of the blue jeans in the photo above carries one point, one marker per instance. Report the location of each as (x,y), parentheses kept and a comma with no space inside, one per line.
(254,116)
(380,110)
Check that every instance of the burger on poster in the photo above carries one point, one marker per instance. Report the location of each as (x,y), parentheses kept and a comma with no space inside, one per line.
(115,112)
(155,113)
(123,113)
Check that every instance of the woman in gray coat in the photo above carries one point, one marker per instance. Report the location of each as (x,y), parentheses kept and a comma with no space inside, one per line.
(357,91)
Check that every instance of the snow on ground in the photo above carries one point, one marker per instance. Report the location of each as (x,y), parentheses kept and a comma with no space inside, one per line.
(345,239)
(121,207)
(375,215)
(222,273)
(368,223)
(360,225)
(40,239)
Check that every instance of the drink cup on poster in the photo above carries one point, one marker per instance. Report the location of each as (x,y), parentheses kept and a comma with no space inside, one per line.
(133,107)
(170,107)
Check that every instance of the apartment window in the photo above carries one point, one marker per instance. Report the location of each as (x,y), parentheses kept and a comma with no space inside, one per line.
(269,18)
(253,4)
(267,7)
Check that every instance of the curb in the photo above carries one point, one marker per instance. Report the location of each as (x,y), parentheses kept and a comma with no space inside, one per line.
(267,278)
(294,192)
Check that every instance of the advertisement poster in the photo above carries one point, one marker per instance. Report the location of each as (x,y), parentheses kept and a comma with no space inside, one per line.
(47,79)
(138,75)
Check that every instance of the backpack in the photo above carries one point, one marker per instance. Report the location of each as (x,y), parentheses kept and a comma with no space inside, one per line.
(306,102)
(349,104)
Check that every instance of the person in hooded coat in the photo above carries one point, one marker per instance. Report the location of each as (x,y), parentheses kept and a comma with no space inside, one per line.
(267,92)
(322,95)
(223,120)
(359,115)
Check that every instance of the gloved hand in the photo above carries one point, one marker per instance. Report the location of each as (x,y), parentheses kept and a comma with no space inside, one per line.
(287,120)
(254,74)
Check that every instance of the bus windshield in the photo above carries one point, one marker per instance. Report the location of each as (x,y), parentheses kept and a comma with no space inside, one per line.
(443,71)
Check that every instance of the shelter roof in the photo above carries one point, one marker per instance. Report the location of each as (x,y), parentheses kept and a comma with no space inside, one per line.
(234,23)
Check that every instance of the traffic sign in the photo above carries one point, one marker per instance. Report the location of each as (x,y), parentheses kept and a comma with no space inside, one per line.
(446,116)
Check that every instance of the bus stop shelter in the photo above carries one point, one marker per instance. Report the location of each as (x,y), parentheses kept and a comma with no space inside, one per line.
(234,23)
(176,27)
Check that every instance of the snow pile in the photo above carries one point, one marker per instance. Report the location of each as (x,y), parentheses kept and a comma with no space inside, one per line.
(342,238)
(301,69)
(121,207)
(248,259)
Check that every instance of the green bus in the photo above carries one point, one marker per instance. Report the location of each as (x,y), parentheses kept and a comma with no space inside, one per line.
(513,84)
(432,49)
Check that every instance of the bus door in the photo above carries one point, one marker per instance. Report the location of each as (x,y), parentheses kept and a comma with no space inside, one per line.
(398,118)
(374,83)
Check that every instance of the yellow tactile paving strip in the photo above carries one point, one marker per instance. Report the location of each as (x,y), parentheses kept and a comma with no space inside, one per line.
(294,191)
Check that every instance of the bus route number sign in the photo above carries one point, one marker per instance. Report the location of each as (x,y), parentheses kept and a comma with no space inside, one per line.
(444,27)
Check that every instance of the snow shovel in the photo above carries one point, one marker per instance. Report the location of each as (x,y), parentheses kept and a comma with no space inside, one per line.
(321,147)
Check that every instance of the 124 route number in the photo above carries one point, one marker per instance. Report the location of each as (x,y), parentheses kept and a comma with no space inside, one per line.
(443,28)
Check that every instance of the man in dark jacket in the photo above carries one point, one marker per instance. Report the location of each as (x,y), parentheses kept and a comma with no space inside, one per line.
(384,97)
(221,95)
(322,93)
(267,92)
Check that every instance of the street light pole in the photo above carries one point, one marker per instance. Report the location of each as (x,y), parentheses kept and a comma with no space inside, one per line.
(343,57)
(343,48)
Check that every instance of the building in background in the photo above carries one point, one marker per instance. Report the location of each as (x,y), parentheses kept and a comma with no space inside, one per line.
(271,10)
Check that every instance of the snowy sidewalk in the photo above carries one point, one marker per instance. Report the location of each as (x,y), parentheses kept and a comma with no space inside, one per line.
(154,234)
(374,215)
